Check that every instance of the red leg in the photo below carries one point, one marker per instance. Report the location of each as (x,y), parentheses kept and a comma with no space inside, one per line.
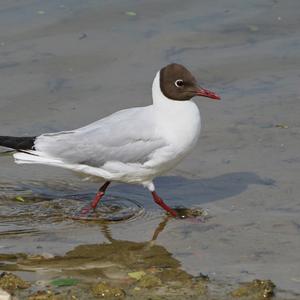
(99,195)
(162,204)
(96,199)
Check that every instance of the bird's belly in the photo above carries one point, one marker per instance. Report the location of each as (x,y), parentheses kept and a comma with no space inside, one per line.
(129,172)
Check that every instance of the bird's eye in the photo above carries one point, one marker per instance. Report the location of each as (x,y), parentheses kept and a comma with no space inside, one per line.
(179,83)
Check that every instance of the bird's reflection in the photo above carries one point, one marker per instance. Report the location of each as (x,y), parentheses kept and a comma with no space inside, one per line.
(105,229)
(196,215)
(160,228)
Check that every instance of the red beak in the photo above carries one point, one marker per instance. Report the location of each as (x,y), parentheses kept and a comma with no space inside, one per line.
(206,93)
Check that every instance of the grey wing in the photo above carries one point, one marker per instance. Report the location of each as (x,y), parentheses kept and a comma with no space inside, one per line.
(128,136)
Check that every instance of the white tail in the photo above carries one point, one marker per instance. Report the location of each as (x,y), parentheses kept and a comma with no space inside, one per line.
(28,158)
(32,157)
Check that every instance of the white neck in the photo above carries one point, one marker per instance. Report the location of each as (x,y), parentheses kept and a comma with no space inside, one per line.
(157,95)
(179,119)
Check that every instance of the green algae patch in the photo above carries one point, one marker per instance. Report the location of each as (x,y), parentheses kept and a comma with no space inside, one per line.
(149,281)
(255,290)
(64,282)
(136,275)
(105,290)
(11,282)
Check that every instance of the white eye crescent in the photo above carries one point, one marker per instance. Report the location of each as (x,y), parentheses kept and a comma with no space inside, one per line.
(179,83)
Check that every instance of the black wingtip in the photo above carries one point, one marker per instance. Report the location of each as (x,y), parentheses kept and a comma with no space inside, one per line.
(18,143)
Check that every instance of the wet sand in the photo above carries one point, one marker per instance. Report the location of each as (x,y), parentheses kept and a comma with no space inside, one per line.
(65,64)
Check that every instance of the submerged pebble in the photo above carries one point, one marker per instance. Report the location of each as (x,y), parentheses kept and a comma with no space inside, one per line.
(283,126)
(200,286)
(257,289)
(10,282)
(131,13)
(105,290)
(184,212)
(43,295)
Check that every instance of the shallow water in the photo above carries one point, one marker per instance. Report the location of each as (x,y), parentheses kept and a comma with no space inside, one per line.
(66,63)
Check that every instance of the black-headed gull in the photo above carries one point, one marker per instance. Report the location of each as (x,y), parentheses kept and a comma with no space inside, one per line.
(132,145)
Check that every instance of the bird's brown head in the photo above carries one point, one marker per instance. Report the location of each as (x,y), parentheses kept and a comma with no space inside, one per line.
(178,83)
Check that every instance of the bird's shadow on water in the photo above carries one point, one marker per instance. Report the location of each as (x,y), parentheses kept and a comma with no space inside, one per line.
(187,192)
